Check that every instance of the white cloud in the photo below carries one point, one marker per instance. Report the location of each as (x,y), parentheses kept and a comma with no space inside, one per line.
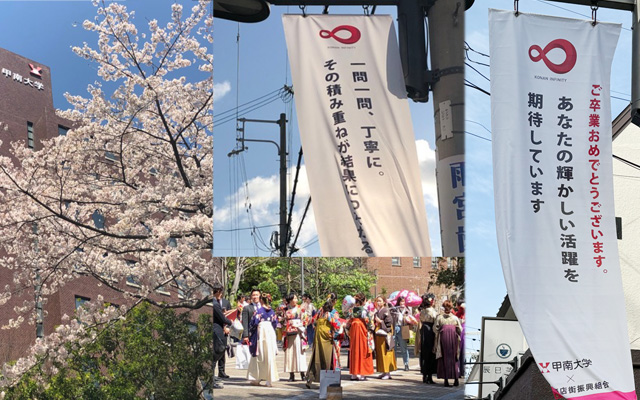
(263,203)
(220,90)
(427,163)
(263,200)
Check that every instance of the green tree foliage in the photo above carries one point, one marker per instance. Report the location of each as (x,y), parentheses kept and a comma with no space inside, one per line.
(451,277)
(152,354)
(323,275)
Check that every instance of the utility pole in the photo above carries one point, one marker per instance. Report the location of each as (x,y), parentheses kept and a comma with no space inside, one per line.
(446,33)
(281,242)
(282,152)
(302,277)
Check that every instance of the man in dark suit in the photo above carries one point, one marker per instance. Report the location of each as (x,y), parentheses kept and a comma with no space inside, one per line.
(225,306)
(247,313)
(220,327)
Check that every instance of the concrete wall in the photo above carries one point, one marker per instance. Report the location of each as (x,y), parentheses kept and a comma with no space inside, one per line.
(626,182)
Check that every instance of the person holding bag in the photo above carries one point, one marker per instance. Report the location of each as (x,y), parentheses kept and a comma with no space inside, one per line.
(402,330)
(385,344)
(262,344)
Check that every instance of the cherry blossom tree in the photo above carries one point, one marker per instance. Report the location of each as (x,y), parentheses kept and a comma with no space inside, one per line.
(125,197)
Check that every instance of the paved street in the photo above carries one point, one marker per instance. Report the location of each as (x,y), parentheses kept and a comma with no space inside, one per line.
(404,385)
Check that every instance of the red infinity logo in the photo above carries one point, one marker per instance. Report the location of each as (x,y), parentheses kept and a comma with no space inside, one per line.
(570,55)
(354,34)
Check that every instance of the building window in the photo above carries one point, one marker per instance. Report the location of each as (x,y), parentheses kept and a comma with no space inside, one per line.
(131,280)
(98,219)
(81,300)
(30,135)
(111,156)
(62,130)
(395,261)
(416,262)
(434,263)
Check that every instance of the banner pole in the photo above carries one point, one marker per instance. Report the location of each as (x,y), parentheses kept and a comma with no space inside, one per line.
(635,65)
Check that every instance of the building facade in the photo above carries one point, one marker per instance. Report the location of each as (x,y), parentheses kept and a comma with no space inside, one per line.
(417,274)
(28,116)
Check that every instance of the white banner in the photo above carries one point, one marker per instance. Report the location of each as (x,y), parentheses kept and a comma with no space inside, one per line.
(357,136)
(450,177)
(552,163)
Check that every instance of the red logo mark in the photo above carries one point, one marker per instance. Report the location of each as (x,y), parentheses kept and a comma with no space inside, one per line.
(35,70)
(570,55)
(354,37)
(544,366)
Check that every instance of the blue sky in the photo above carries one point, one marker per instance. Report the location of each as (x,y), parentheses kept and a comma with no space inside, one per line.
(44,31)
(262,69)
(485,284)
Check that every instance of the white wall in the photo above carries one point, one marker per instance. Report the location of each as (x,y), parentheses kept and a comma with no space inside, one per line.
(626,182)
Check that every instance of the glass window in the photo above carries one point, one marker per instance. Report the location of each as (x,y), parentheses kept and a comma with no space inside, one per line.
(98,219)
(81,300)
(395,261)
(131,280)
(416,262)
(30,142)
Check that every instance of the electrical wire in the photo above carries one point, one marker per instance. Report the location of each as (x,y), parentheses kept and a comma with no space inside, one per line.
(571,11)
(245,229)
(474,86)
(310,244)
(234,110)
(230,118)
(478,136)
(478,123)
(468,47)
(479,73)
(629,163)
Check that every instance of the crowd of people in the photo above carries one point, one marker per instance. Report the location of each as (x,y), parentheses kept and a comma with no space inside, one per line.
(376,330)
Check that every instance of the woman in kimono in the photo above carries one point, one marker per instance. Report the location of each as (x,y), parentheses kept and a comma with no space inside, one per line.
(360,354)
(323,356)
(385,353)
(262,344)
(448,329)
(428,315)
(310,310)
(294,358)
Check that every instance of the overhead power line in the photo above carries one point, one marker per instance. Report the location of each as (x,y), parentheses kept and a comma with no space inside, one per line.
(474,86)
(479,73)
(245,229)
